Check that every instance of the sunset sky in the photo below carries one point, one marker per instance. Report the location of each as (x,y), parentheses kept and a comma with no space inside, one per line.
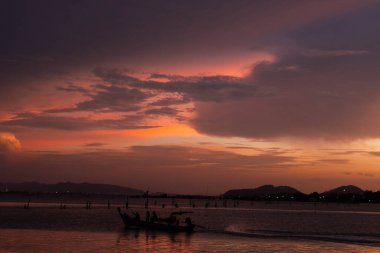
(191,96)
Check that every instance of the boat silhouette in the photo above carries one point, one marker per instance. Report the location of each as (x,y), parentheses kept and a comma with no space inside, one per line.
(170,224)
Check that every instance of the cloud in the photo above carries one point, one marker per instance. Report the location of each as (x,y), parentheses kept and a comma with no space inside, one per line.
(105,98)
(333,94)
(166,111)
(374,153)
(113,75)
(93,144)
(77,123)
(215,88)
(170,101)
(220,100)
(207,88)
(9,143)
(333,161)
(74,88)
(333,53)
(365,174)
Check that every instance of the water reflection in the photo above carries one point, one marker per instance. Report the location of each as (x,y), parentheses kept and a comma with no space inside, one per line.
(32,240)
(151,240)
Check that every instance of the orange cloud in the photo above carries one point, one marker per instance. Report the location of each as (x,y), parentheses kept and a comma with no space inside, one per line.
(9,142)
(177,129)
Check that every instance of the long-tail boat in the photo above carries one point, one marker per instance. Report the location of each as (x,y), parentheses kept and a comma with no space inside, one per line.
(160,224)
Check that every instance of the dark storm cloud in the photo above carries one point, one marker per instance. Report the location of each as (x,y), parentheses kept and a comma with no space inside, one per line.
(74,88)
(323,86)
(206,88)
(114,76)
(162,111)
(76,123)
(216,88)
(171,101)
(113,98)
(43,40)
(107,98)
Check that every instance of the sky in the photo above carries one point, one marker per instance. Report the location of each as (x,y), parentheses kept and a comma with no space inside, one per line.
(194,97)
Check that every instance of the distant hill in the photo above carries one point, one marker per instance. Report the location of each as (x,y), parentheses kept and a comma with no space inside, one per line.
(346,189)
(261,191)
(69,187)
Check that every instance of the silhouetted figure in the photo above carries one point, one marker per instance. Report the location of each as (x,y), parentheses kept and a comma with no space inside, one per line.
(108,204)
(176,205)
(137,216)
(163,205)
(154,217)
(126,217)
(188,221)
(172,219)
(147,218)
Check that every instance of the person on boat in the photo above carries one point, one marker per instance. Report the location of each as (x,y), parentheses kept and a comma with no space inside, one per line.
(154,217)
(126,217)
(137,216)
(147,219)
(188,222)
(172,219)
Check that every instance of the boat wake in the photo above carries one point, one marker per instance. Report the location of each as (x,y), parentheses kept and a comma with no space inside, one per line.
(236,230)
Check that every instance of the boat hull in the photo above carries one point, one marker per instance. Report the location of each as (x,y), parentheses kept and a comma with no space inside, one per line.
(161,226)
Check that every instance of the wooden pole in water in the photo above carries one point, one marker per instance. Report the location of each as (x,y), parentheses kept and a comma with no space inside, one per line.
(147,200)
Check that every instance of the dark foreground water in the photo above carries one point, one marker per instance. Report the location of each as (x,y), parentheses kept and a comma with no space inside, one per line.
(249,227)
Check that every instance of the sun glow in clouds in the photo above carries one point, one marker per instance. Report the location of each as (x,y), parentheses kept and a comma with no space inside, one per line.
(9,142)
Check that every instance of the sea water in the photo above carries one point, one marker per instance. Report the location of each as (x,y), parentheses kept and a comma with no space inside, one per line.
(239,227)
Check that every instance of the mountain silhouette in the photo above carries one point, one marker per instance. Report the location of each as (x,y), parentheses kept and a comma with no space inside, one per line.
(262,191)
(346,189)
(69,187)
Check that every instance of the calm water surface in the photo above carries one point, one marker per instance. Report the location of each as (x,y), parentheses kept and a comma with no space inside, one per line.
(29,240)
(247,228)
